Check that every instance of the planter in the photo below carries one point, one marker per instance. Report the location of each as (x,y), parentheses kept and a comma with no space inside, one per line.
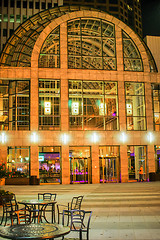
(2,181)
(17,181)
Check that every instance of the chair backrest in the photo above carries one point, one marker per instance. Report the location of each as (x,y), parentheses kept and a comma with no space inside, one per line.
(76,202)
(47,196)
(9,205)
(79,219)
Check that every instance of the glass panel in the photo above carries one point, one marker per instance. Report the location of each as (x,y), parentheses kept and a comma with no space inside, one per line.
(49,104)
(50,51)
(131,55)
(3,105)
(157,159)
(80,164)
(94,39)
(135,106)
(18,162)
(50,164)
(156,106)
(109,163)
(136,159)
(93,105)
(19,105)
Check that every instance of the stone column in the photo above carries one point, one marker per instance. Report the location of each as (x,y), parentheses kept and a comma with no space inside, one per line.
(65,167)
(34,163)
(3,154)
(124,163)
(95,164)
(151,158)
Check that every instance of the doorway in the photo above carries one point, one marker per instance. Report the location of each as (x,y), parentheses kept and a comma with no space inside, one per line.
(80,165)
(109,164)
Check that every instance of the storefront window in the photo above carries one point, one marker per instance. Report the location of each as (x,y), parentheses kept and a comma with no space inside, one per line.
(50,164)
(156,106)
(91,44)
(157,154)
(49,104)
(109,164)
(135,106)
(18,161)
(93,105)
(136,159)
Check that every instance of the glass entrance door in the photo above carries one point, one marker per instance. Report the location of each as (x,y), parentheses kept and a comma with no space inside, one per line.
(80,165)
(109,164)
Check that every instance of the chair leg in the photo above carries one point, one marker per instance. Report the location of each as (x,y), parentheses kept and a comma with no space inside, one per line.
(2,219)
(80,234)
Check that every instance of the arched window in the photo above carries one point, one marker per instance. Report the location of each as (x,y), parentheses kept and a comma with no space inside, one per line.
(50,52)
(131,56)
(91,44)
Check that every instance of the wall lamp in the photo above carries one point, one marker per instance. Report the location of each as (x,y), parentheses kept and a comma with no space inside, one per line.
(65,138)
(3,137)
(94,137)
(150,137)
(34,137)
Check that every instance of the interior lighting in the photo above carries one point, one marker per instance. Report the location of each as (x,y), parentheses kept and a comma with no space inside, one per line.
(34,137)
(47,108)
(150,137)
(3,137)
(65,138)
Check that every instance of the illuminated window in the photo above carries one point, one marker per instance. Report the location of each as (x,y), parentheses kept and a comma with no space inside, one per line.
(156,106)
(49,104)
(132,59)
(50,52)
(91,44)
(93,105)
(18,162)
(157,155)
(135,106)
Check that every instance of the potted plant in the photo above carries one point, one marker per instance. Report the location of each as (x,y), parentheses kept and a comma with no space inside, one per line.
(5,194)
(2,173)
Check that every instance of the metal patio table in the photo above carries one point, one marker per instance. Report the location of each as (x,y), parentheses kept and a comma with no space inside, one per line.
(39,205)
(35,231)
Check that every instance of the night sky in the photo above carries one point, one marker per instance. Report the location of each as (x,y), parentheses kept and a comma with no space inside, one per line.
(151,17)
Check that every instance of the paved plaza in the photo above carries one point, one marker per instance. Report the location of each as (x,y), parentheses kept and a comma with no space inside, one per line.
(120,210)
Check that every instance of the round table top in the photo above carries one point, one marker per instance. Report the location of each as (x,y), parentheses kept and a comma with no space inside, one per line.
(36,202)
(34,231)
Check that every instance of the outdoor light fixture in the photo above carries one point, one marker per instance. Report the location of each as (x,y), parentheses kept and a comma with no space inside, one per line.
(34,137)
(94,137)
(47,108)
(150,137)
(64,138)
(123,137)
(75,108)
(3,137)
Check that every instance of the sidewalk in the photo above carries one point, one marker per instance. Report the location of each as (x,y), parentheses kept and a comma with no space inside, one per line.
(120,210)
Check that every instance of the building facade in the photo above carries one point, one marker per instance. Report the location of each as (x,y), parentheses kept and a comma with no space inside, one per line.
(14,12)
(129,11)
(80,97)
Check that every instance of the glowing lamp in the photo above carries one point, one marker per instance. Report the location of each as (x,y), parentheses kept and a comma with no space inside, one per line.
(64,138)
(3,137)
(150,137)
(34,137)
(47,108)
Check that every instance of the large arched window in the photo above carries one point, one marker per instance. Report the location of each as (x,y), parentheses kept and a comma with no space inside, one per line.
(50,52)
(131,56)
(91,44)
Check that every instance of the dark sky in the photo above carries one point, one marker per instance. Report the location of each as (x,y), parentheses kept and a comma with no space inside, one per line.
(151,17)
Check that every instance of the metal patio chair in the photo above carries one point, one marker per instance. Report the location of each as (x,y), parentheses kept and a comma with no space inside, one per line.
(74,204)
